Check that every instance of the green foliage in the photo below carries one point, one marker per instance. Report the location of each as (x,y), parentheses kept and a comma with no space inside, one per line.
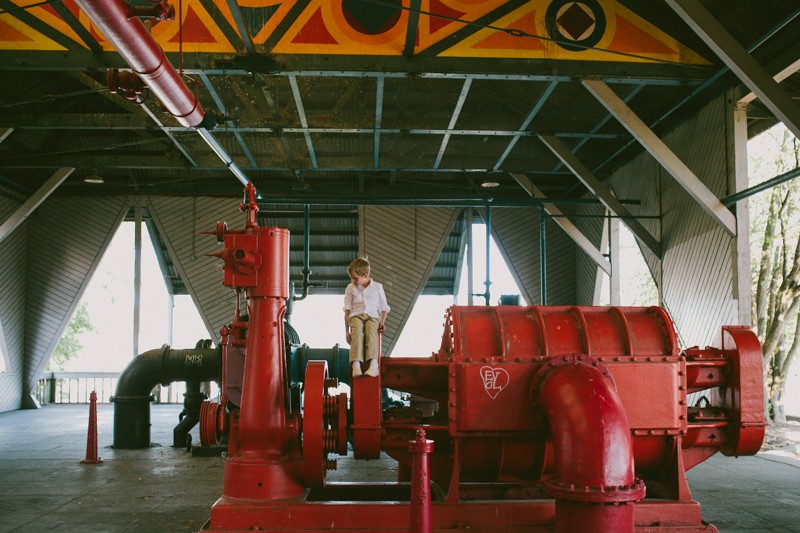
(775,252)
(69,346)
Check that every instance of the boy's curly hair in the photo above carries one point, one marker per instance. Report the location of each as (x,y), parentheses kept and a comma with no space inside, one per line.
(359,266)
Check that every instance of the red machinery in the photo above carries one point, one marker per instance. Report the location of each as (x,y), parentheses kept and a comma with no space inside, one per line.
(565,418)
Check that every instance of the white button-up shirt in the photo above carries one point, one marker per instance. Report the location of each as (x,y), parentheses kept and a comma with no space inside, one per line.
(370,300)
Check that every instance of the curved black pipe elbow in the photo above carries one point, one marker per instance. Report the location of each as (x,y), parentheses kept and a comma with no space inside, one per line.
(148,369)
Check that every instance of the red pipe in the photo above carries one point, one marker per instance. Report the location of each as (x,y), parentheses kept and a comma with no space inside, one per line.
(263,462)
(144,55)
(420,505)
(261,420)
(594,483)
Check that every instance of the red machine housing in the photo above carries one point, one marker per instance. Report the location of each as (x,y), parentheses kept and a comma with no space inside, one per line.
(543,418)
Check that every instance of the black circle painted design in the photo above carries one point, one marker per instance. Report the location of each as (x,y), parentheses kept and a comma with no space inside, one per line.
(575,25)
(372,18)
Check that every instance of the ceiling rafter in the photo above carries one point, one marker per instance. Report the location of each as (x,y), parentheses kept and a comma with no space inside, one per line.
(376,136)
(739,61)
(229,124)
(462,97)
(537,106)
(563,221)
(36,199)
(412,28)
(709,201)
(602,192)
(301,112)
(244,32)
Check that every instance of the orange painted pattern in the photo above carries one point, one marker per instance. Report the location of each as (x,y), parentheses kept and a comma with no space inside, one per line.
(327,27)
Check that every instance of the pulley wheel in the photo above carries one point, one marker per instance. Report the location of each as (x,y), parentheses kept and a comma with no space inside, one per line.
(314,454)
(210,413)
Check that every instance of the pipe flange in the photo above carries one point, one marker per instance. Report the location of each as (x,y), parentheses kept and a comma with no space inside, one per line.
(132,399)
(554,362)
(595,494)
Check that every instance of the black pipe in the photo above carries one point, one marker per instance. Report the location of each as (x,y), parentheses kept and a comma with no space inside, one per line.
(306,253)
(190,416)
(148,369)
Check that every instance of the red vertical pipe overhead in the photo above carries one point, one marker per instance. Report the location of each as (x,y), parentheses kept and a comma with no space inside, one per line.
(594,483)
(141,52)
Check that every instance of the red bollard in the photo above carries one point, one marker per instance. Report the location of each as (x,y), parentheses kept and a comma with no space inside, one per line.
(91,437)
(420,521)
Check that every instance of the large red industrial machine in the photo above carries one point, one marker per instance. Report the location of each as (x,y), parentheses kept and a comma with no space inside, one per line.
(544,418)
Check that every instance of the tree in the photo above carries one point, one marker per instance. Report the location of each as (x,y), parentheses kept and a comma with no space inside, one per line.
(69,345)
(776,271)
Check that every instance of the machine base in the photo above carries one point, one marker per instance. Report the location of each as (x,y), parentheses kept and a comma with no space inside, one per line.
(360,507)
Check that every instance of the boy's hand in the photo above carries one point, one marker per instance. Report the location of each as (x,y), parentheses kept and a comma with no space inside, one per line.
(349,337)
(380,327)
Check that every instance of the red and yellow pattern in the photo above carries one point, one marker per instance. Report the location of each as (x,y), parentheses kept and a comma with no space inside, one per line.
(324,28)
(627,38)
(328,27)
(16,35)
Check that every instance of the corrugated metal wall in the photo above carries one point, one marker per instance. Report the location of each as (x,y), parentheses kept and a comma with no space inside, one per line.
(180,221)
(585,267)
(66,238)
(403,244)
(516,232)
(698,264)
(12,304)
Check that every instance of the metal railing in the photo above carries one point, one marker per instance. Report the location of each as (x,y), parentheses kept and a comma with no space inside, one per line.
(75,387)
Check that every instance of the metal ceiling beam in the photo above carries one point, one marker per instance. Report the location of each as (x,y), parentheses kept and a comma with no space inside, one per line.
(298,100)
(169,135)
(78,121)
(700,87)
(565,224)
(376,136)
(412,28)
(226,159)
(244,32)
(30,205)
(661,152)
(229,124)
(119,121)
(72,21)
(440,75)
(602,192)
(395,131)
(739,61)
(603,121)
(462,97)
(4,133)
(119,161)
(525,123)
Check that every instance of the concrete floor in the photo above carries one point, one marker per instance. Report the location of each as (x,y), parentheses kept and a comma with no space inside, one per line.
(161,489)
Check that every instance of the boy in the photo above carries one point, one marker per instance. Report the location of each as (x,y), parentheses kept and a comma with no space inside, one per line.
(365,310)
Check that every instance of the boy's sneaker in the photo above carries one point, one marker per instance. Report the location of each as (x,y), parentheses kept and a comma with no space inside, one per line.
(357,369)
(373,370)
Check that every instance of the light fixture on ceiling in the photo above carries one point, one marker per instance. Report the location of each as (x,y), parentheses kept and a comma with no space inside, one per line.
(489,184)
(93,178)
(300,184)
